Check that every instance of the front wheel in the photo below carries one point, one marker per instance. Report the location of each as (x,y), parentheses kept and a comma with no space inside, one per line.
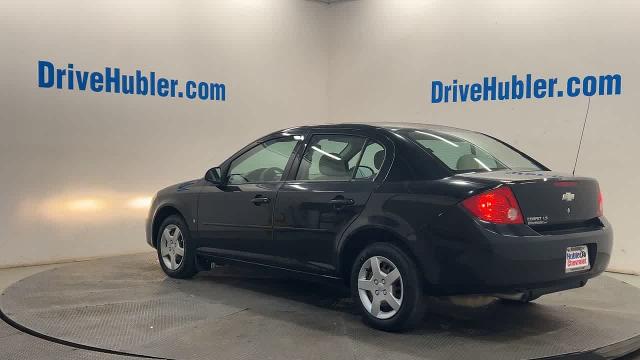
(386,285)
(175,251)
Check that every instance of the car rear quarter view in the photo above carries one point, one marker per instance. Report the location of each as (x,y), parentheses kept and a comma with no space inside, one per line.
(395,211)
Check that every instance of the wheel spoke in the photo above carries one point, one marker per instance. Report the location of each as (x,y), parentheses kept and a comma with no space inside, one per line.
(393,276)
(166,234)
(364,284)
(179,251)
(392,301)
(375,306)
(164,250)
(173,262)
(375,266)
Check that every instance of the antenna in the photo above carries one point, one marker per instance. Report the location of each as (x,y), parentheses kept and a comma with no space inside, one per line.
(584,124)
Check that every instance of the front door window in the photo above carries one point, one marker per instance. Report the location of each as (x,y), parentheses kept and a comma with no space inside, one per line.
(263,163)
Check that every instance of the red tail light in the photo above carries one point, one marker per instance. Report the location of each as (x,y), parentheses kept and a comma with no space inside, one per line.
(498,206)
(600,205)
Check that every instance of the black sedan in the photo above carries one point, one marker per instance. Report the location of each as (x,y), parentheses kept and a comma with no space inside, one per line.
(395,211)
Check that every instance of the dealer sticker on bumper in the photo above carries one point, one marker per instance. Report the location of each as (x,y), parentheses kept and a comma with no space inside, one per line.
(577,258)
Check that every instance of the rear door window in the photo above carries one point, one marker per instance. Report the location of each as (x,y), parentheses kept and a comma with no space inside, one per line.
(330,158)
(370,162)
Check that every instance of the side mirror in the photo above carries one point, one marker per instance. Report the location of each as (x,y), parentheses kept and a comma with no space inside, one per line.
(213,175)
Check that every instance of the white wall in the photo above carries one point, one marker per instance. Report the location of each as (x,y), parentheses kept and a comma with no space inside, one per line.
(70,162)
(385,53)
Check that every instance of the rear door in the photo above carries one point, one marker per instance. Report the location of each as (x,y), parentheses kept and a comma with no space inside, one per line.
(334,177)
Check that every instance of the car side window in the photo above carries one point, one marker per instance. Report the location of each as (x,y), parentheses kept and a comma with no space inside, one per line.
(330,158)
(371,161)
(263,163)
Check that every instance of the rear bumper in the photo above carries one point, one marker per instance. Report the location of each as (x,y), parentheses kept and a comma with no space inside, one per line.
(479,260)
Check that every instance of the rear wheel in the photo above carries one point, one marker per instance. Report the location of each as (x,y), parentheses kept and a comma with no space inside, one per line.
(175,250)
(386,285)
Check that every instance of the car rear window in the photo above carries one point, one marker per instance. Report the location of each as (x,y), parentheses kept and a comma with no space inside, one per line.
(466,151)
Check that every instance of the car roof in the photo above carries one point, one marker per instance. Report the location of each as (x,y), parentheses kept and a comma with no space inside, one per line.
(378,125)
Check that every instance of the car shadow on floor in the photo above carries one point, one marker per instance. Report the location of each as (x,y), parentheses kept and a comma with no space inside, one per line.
(273,294)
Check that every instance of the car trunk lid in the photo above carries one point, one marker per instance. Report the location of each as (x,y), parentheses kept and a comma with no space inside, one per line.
(547,197)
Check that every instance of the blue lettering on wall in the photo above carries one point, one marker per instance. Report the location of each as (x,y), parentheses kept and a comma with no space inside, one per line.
(114,80)
(436,91)
(491,88)
(45,74)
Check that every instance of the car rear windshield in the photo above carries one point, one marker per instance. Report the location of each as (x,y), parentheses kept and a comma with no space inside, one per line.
(467,151)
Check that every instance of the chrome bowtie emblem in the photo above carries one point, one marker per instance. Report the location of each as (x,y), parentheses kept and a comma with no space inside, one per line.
(568,196)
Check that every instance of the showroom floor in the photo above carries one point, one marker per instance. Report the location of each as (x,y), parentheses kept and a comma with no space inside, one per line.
(126,304)
(629,279)
(15,344)
(11,275)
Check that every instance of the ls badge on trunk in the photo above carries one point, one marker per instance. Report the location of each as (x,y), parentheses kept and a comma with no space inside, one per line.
(537,220)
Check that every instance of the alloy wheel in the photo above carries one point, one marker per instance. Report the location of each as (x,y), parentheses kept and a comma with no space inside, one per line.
(380,287)
(172,247)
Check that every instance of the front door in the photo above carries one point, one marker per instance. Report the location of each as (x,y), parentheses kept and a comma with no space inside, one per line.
(330,188)
(235,218)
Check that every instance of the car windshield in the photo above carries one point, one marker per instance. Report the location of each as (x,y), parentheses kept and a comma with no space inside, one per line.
(466,151)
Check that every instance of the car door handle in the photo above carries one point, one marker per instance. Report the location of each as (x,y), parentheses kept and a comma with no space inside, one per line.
(260,200)
(342,202)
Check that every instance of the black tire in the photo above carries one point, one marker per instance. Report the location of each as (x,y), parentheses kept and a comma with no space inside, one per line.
(188,267)
(412,308)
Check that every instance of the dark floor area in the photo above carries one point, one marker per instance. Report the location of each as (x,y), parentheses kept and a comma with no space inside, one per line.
(16,345)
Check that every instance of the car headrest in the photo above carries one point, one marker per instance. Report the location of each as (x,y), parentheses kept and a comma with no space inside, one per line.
(329,166)
(467,162)
(378,159)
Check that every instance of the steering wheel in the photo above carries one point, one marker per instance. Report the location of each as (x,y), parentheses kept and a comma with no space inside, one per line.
(240,175)
(271,174)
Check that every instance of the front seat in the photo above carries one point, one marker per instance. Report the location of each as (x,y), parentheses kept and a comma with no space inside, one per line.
(333,169)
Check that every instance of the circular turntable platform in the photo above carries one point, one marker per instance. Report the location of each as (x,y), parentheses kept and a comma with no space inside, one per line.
(126,304)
